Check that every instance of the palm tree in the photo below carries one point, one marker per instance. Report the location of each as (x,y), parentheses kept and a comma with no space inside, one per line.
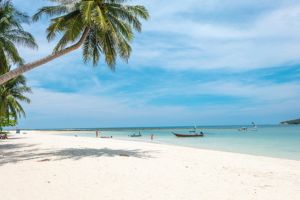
(99,26)
(11,33)
(11,96)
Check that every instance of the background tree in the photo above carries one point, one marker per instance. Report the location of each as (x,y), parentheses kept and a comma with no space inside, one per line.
(100,27)
(5,122)
(12,94)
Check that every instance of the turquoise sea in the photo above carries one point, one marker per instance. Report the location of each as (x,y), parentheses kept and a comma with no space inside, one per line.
(282,141)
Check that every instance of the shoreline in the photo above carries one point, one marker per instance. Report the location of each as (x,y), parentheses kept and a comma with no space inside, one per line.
(53,132)
(40,166)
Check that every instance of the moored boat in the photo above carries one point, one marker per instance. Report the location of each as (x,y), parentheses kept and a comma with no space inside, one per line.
(201,134)
(136,135)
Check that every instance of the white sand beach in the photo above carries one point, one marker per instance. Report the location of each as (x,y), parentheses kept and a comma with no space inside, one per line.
(51,167)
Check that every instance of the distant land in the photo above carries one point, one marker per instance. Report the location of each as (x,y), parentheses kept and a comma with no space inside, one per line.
(295,121)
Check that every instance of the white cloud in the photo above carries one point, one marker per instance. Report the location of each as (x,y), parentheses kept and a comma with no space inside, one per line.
(75,109)
(263,103)
(271,39)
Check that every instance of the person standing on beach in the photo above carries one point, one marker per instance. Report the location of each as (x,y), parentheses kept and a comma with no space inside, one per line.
(152,136)
(97,133)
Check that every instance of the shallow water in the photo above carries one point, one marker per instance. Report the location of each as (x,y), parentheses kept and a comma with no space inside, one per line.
(273,141)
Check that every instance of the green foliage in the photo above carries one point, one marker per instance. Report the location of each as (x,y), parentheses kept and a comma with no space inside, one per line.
(295,121)
(7,121)
(11,96)
(12,33)
(110,24)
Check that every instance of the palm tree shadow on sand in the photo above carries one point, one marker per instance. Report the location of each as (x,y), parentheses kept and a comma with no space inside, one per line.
(14,153)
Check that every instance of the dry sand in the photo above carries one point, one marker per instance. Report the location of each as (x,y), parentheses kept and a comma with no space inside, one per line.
(51,167)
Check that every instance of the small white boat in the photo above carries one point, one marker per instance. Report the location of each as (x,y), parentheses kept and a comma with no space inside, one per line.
(254,127)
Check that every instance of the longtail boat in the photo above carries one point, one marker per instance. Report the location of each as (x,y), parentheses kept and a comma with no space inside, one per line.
(136,135)
(189,135)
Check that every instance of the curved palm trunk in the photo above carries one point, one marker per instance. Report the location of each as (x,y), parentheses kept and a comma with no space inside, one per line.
(27,67)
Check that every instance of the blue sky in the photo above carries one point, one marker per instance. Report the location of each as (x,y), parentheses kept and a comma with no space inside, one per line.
(213,62)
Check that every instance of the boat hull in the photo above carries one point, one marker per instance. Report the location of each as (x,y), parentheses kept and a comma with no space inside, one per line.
(188,135)
(135,136)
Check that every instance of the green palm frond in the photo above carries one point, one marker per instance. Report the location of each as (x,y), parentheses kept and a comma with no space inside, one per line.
(21,37)
(11,96)
(50,11)
(111,25)
(12,34)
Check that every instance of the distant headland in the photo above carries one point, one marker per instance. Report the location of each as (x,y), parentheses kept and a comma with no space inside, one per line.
(295,121)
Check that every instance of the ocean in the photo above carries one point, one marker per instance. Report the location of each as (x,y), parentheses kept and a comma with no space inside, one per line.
(280,141)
